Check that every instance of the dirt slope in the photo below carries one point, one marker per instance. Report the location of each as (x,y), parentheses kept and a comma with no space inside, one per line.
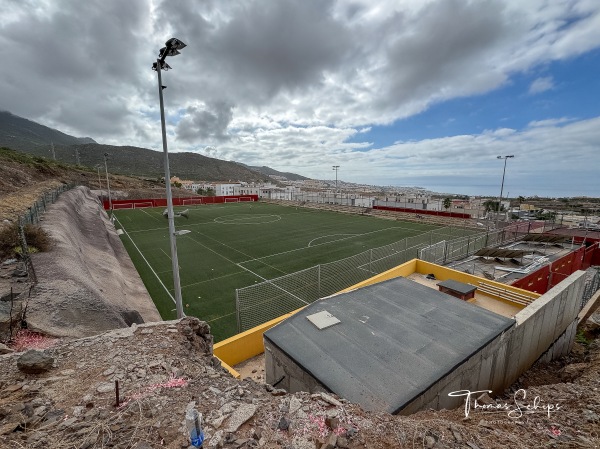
(162,368)
(86,283)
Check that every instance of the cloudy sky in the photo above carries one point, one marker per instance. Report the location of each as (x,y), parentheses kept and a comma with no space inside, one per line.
(405,92)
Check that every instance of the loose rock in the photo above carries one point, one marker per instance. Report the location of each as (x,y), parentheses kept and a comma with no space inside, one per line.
(35,362)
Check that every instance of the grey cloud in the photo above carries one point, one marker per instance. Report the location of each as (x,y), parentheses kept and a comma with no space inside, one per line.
(205,124)
(255,50)
(68,61)
(444,46)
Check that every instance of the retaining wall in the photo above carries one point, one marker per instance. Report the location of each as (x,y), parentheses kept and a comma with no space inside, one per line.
(544,330)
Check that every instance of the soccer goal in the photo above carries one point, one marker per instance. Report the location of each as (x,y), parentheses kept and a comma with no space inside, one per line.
(232,200)
(123,206)
(142,205)
(192,202)
(245,199)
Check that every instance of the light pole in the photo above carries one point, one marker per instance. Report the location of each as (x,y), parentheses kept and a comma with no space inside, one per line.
(172,47)
(502,186)
(99,182)
(336,168)
(108,184)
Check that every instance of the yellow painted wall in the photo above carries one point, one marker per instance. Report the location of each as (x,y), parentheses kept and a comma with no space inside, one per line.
(247,344)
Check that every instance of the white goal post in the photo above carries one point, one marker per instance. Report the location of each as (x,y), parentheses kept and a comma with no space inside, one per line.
(192,201)
(123,206)
(244,199)
(232,200)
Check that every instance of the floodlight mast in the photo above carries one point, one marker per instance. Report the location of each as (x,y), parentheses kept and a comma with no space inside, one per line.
(336,168)
(171,49)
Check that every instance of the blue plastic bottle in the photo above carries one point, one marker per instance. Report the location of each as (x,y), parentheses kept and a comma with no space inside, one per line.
(193,421)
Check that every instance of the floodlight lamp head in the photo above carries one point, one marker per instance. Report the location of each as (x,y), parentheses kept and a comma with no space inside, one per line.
(163,66)
(175,44)
(168,51)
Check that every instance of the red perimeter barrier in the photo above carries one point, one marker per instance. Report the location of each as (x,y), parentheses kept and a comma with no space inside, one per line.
(548,276)
(188,201)
(423,212)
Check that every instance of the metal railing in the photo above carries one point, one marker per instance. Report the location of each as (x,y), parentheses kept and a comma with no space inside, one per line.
(32,217)
(35,211)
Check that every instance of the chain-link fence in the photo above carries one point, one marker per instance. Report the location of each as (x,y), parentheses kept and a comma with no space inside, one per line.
(270,299)
(449,250)
(592,285)
(32,217)
(35,211)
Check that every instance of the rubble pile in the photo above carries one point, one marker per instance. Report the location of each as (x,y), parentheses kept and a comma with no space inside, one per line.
(66,397)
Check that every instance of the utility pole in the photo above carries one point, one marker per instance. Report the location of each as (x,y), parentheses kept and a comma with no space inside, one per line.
(502,186)
(108,184)
(99,183)
(52,149)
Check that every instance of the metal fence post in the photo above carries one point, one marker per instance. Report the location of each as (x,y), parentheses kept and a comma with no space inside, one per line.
(319,280)
(237,311)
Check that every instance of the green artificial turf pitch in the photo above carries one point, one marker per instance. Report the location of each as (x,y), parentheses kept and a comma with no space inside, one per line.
(235,245)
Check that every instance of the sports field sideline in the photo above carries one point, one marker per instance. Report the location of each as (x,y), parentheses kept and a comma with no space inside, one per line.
(234,245)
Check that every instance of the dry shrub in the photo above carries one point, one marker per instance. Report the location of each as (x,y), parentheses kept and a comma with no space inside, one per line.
(10,246)
(9,240)
(37,238)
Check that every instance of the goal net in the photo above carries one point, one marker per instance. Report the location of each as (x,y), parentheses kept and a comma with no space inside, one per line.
(193,201)
(245,199)
(141,205)
(123,206)
(232,200)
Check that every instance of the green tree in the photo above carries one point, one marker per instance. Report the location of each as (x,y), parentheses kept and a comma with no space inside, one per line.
(447,203)
(491,205)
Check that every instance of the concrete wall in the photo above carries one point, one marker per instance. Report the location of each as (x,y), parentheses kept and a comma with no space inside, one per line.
(543,330)
(282,372)
(245,345)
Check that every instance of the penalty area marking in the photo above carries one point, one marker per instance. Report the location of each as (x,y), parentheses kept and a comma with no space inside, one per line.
(346,236)
(245,219)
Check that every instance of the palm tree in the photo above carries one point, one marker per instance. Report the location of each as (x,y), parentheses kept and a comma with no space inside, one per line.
(447,203)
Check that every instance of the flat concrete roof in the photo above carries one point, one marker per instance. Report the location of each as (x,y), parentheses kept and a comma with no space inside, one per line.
(394,340)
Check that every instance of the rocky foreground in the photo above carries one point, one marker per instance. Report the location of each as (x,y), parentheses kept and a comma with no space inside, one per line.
(64,397)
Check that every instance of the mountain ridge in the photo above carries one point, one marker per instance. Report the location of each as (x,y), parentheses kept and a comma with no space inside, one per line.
(27,136)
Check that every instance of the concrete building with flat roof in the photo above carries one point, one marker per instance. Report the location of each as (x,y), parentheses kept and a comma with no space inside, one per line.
(388,343)
(395,343)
